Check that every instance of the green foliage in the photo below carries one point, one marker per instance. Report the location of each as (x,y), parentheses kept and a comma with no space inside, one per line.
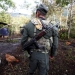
(62,3)
(63,34)
(4,17)
(72,34)
(16,23)
(5,4)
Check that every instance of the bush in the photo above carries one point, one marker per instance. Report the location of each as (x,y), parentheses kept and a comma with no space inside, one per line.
(63,34)
(72,34)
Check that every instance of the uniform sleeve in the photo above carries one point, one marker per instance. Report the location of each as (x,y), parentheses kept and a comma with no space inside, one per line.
(55,42)
(24,36)
(28,33)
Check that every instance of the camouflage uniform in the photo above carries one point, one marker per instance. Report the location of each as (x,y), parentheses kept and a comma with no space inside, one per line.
(39,58)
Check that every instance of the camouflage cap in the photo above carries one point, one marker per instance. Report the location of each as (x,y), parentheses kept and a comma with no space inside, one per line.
(43,9)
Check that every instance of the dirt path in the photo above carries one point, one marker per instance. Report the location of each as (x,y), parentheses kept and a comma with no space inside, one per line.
(7,46)
(63,63)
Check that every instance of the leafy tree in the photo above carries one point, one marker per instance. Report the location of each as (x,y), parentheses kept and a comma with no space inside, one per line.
(5,4)
(18,22)
(62,3)
(4,17)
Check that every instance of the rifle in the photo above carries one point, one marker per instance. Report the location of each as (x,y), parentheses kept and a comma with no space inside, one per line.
(34,40)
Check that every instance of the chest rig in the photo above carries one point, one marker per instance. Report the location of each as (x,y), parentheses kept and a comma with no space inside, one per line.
(43,42)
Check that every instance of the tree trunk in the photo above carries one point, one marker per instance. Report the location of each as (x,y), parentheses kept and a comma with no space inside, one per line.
(70,19)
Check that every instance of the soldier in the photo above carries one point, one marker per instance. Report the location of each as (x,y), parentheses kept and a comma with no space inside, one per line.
(39,58)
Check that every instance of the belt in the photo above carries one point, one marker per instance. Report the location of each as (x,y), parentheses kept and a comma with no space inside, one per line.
(39,50)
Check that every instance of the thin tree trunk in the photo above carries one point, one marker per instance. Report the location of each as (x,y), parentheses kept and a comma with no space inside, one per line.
(69,28)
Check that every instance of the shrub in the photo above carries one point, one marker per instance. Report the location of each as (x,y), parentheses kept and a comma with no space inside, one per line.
(72,34)
(63,34)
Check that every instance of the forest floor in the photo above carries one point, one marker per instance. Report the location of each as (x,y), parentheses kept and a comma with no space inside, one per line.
(62,64)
